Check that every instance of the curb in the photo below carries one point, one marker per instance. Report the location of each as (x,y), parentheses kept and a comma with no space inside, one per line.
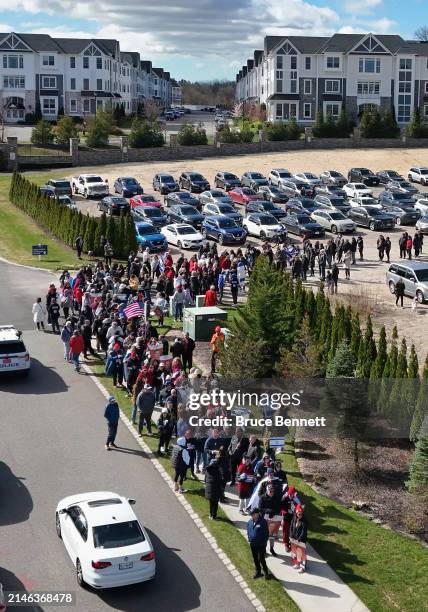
(14,263)
(187,507)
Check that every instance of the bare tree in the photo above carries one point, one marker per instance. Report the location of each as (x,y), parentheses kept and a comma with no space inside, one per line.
(151,110)
(422,33)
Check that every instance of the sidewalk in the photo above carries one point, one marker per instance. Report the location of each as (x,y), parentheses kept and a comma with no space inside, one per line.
(319,588)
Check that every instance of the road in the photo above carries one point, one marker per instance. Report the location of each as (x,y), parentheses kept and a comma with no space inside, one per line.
(52,445)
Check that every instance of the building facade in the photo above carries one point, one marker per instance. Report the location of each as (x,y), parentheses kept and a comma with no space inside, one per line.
(176,93)
(299,76)
(74,76)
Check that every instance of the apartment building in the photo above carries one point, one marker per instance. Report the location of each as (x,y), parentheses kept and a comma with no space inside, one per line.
(176,93)
(78,76)
(297,76)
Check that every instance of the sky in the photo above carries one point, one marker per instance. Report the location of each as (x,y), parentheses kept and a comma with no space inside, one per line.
(207,39)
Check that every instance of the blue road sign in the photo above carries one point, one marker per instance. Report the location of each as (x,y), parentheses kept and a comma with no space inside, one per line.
(39,249)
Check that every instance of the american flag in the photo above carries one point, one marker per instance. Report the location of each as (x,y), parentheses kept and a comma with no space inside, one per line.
(136,309)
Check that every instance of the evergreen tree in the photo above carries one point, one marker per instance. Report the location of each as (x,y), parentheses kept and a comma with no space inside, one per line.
(98,131)
(343,125)
(418,476)
(89,240)
(100,233)
(303,360)
(367,352)
(42,133)
(355,335)
(343,363)
(421,408)
(122,247)
(65,129)
(379,363)
(131,239)
(145,134)
(111,232)
(396,411)
(318,129)
(417,128)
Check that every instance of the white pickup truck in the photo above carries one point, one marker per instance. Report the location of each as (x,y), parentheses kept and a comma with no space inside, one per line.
(89,185)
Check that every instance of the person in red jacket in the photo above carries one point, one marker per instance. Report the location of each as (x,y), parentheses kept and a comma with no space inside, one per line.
(76,347)
(210,297)
(245,482)
(409,246)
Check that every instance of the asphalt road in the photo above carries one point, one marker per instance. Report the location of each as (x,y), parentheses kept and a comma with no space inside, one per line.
(52,445)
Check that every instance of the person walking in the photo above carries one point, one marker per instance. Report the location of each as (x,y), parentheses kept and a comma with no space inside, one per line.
(111,414)
(78,245)
(180,460)
(334,277)
(188,348)
(66,333)
(165,426)
(380,245)
(234,286)
(145,405)
(217,344)
(178,303)
(210,296)
(39,314)
(402,245)
(245,482)
(213,483)
(54,313)
(87,339)
(108,253)
(417,244)
(388,246)
(409,246)
(353,249)
(347,260)
(399,291)
(258,536)
(298,538)
(76,347)
(270,507)
(360,247)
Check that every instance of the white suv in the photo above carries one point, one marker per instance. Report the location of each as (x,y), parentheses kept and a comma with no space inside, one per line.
(14,356)
(418,175)
(422,206)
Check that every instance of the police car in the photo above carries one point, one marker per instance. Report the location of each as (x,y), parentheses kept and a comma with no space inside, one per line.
(14,356)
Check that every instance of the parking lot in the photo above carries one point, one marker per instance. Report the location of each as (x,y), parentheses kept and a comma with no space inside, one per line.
(367,286)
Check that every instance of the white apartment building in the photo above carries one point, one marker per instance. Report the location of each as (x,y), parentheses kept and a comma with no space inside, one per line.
(298,76)
(78,76)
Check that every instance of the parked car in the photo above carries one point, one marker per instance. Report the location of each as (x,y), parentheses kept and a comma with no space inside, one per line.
(273,194)
(422,206)
(226,181)
(396,197)
(373,218)
(422,224)
(357,189)
(301,203)
(185,214)
(333,189)
(364,200)
(127,186)
(333,221)
(263,225)
(308,178)
(60,186)
(193,182)
(254,180)
(386,176)
(65,200)
(114,205)
(105,540)
(149,237)
(277,175)
(332,202)
(222,209)
(215,196)
(223,229)
(403,186)
(363,175)
(300,223)
(333,177)
(146,199)
(418,175)
(414,275)
(14,355)
(164,183)
(47,190)
(89,185)
(293,187)
(182,197)
(183,235)
(149,214)
(264,206)
(402,213)
(242,195)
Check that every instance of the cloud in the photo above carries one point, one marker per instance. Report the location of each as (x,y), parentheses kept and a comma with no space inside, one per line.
(362,7)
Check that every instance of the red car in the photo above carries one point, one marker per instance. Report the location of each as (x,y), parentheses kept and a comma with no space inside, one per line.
(243,195)
(145,199)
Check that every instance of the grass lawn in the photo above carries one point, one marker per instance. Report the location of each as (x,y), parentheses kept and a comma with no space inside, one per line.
(30,149)
(386,570)
(271,594)
(18,232)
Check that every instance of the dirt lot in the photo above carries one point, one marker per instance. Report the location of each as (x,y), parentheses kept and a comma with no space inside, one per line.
(367,288)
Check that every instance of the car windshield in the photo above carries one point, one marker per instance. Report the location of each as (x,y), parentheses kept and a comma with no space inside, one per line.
(147,198)
(226,223)
(276,191)
(118,200)
(230,177)
(94,179)
(268,220)
(145,230)
(400,196)
(64,199)
(365,171)
(284,174)
(248,191)
(309,175)
(6,348)
(307,203)
(153,212)
(304,219)
(256,175)
(118,535)
(422,275)
(62,184)
(196,177)
(188,210)
(375,212)
(186,230)
(335,174)
(225,208)
(424,170)
(367,201)
(185,196)
(128,180)
(268,206)
(337,216)
(393,174)
(166,178)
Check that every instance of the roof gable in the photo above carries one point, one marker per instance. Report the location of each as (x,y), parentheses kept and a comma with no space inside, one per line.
(92,49)
(12,42)
(369,44)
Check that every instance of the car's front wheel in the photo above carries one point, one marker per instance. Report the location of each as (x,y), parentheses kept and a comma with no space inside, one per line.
(333,229)
(79,574)
(58,525)
(392,287)
(398,221)
(263,235)
(221,239)
(372,226)
(179,244)
(420,297)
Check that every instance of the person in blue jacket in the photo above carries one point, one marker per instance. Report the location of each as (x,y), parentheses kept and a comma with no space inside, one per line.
(258,536)
(111,413)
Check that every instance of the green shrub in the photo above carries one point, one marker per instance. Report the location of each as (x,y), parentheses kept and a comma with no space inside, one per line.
(276,131)
(377,124)
(329,128)
(417,128)
(98,131)
(144,134)
(190,134)
(293,130)
(65,129)
(42,134)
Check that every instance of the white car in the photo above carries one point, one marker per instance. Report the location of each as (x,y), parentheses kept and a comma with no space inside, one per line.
(182,235)
(356,189)
(422,224)
(106,542)
(14,356)
(422,206)
(418,175)
(364,200)
(263,225)
(308,178)
(335,222)
(277,175)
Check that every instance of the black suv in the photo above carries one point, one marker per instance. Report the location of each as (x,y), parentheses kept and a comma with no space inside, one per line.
(165,183)
(193,182)
(363,175)
(264,206)
(373,218)
(226,181)
(182,197)
(302,225)
(185,214)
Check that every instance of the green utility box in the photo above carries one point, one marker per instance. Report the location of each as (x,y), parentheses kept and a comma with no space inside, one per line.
(201,322)
(200,301)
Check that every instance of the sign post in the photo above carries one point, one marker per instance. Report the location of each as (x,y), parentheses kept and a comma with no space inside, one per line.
(39,250)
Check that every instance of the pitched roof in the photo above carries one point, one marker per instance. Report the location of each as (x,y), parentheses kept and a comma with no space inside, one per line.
(258,54)
(77,45)
(132,56)
(40,42)
(158,71)
(146,66)
(415,47)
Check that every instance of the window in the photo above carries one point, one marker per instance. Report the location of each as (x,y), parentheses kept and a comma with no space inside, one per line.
(14,82)
(404,99)
(72,83)
(333,62)
(285,111)
(48,60)
(49,106)
(407,87)
(13,61)
(85,61)
(404,75)
(426,87)
(48,82)
(279,62)
(403,113)
(73,106)
(405,64)
(293,62)
(72,62)
(99,84)
(99,63)
(307,110)
(426,110)
(332,110)
(307,63)
(86,107)
(332,86)
(99,105)
(368,88)
(86,84)
(370,65)
(293,86)
(307,86)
